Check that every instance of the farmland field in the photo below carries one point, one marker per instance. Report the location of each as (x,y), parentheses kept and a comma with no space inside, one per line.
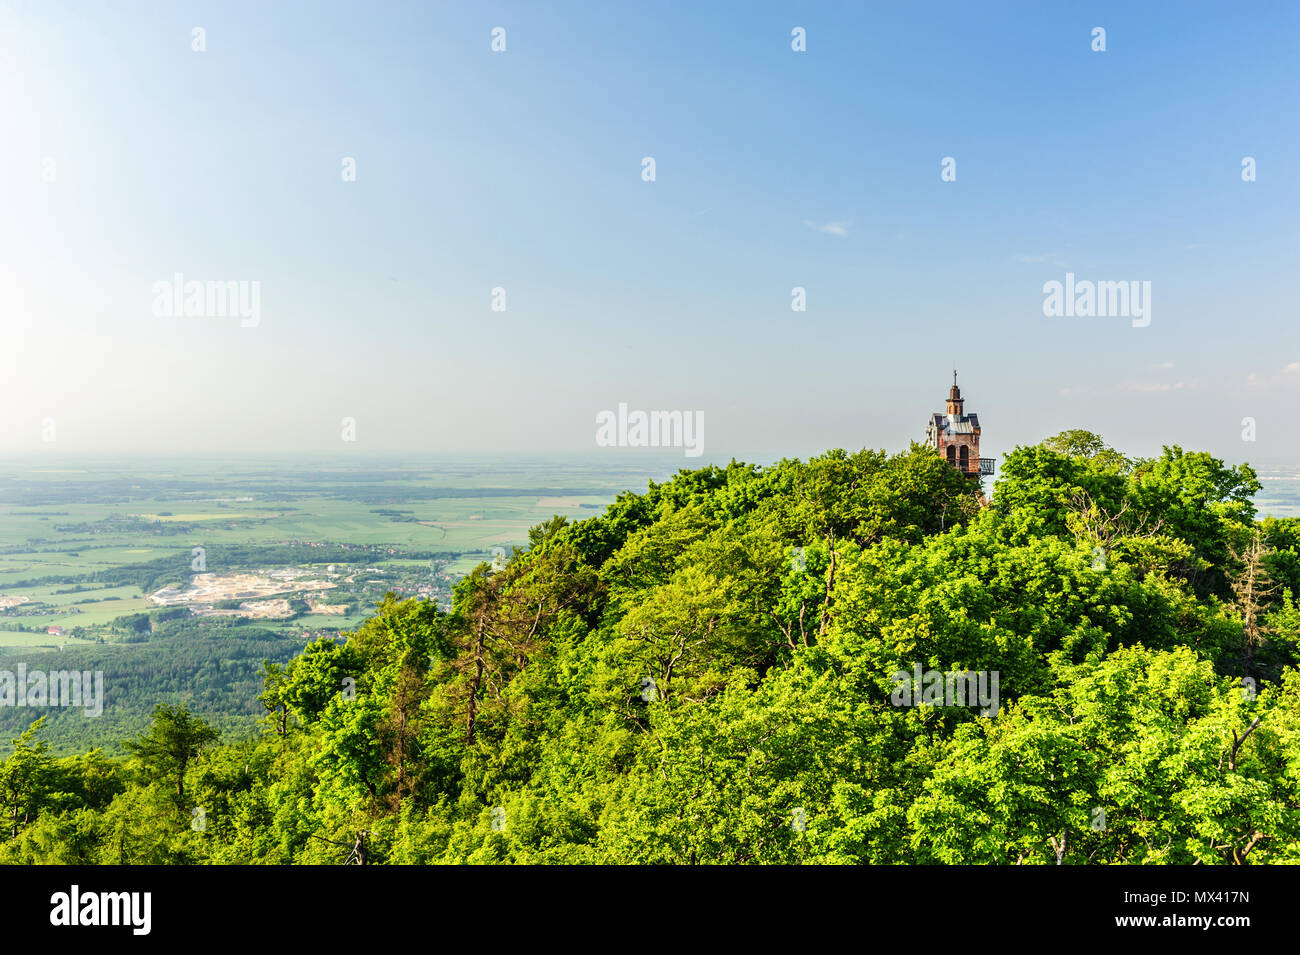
(207,567)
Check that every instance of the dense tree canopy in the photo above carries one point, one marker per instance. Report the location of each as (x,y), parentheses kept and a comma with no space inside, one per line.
(710,672)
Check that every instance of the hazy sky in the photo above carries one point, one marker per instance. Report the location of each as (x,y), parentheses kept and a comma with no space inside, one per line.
(522,170)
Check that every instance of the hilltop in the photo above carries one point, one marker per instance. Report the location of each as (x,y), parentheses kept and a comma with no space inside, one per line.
(710,672)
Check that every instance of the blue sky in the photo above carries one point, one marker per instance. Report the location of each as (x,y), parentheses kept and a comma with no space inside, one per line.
(522,169)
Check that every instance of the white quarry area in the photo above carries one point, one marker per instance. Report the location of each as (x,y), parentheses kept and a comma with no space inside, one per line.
(207,589)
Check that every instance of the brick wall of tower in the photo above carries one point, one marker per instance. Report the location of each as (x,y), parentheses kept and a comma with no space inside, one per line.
(957,441)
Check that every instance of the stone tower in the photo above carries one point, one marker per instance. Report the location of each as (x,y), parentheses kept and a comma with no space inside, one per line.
(956,435)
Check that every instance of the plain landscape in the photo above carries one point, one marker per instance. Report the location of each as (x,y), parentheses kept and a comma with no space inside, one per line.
(100,565)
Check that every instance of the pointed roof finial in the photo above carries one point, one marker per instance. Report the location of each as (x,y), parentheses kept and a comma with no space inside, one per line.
(954,377)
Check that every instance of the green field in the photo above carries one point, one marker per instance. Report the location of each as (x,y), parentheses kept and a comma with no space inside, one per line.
(86,544)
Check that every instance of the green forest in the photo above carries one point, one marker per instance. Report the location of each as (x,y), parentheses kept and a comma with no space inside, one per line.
(707,673)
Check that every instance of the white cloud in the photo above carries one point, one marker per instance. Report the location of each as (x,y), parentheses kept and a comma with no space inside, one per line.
(1285,379)
(840,229)
(1158,386)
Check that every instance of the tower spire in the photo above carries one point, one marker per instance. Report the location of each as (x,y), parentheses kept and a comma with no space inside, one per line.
(954,393)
